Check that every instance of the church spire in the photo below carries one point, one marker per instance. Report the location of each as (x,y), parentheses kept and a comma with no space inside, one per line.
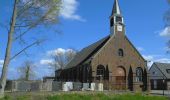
(116,8)
(116,20)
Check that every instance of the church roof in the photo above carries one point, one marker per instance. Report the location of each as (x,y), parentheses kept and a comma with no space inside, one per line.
(116,8)
(86,53)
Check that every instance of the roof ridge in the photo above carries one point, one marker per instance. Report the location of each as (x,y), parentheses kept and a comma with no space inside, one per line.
(162,63)
(85,53)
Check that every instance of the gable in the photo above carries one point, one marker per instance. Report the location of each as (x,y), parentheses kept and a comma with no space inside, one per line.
(109,55)
(155,72)
(126,42)
(138,53)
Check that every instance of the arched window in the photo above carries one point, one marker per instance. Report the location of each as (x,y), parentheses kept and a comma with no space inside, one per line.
(139,74)
(111,22)
(120,52)
(100,72)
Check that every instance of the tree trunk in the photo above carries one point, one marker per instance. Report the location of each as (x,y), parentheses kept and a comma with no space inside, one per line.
(27,74)
(8,51)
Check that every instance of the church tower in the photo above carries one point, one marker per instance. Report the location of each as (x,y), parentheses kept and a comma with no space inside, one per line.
(116,20)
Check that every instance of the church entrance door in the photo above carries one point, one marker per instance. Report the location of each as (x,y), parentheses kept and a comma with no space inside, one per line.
(120,78)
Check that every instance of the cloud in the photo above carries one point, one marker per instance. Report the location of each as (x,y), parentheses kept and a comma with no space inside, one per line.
(165,32)
(68,10)
(59,52)
(155,58)
(148,57)
(140,49)
(163,60)
(1,62)
(46,61)
(150,60)
(56,52)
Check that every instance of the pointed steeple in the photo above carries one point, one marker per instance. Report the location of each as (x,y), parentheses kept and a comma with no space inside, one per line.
(116,8)
(116,20)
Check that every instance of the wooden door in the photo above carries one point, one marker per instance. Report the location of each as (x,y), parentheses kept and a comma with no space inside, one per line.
(120,79)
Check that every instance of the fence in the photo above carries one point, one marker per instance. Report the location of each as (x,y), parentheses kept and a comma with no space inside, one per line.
(157,85)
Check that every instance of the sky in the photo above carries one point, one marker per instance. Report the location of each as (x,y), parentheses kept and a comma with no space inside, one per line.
(83,22)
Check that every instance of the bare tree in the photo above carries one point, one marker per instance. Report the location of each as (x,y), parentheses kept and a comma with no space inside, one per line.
(26,71)
(26,16)
(168,1)
(60,59)
(167,16)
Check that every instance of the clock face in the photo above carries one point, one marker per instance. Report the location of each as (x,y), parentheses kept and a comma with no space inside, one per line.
(119,28)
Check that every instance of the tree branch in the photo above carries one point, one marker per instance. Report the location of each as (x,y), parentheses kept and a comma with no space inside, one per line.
(27,47)
(22,34)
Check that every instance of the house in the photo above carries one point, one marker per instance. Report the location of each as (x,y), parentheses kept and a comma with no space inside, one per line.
(160,76)
(113,61)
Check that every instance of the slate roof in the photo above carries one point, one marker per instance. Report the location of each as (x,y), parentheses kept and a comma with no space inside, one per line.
(163,68)
(87,53)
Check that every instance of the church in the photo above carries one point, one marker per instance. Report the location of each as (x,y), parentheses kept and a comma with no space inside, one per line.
(113,61)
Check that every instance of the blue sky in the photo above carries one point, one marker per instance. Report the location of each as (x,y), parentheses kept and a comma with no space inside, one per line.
(83,22)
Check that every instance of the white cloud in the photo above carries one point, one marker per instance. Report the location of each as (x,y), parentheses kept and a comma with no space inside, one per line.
(1,62)
(45,61)
(148,57)
(68,10)
(140,49)
(165,32)
(163,60)
(155,58)
(56,52)
(59,51)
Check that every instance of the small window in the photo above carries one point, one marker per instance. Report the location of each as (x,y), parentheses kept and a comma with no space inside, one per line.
(153,73)
(111,22)
(168,71)
(118,19)
(121,53)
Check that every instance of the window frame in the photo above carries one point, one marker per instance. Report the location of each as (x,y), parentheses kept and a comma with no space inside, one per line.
(168,71)
(139,74)
(118,19)
(121,52)
(100,72)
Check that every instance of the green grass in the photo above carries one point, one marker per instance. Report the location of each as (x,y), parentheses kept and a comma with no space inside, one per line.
(83,96)
(104,97)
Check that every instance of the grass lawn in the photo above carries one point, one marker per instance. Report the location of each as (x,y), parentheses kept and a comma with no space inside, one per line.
(81,96)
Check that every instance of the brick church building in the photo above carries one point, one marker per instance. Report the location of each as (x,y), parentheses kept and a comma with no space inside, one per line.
(113,61)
